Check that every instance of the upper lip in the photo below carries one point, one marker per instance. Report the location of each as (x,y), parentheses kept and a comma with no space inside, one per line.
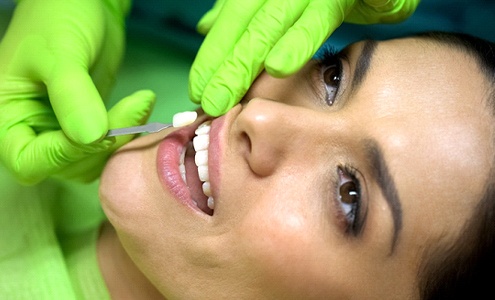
(220,128)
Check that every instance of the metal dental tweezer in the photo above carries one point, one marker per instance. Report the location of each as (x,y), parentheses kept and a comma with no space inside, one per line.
(151,127)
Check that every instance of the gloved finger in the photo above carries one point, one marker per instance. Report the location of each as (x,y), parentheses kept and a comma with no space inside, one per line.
(71,90)
(133,110)
(302,40)
(32,154)
(246,61)
(104,69)
(77,104)
(207,20)
(220,41)
(381,11)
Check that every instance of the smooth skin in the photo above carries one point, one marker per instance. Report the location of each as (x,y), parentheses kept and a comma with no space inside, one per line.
(276,232)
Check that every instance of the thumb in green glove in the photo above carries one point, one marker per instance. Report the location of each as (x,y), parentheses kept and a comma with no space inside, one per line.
(33,149)
(59,60)
(279,35)
(133,110)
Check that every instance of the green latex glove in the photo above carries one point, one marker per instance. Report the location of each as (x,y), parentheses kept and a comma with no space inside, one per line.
(58,61)
(279,35)
(133,110)
(35,147)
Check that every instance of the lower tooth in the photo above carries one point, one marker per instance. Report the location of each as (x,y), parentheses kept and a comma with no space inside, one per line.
(182,170)
(211,203)
(182,155)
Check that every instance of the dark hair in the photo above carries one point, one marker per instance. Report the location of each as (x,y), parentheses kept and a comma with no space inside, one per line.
(465,267)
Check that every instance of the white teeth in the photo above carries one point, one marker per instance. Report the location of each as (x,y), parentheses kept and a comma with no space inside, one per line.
(203,173)
(182,156)
(206,189)
(182,167)
(211,203)
(200,143)
(184,118)
(204,128)
(182,170)
(201,158)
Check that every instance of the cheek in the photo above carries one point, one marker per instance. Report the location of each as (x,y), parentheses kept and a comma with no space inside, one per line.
(128,188)
(282,243)
(118,185)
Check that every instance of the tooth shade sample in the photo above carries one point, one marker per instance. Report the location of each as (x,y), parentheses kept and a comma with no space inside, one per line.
(184,118)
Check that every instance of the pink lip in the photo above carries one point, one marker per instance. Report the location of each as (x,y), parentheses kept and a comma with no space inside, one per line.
(167,160)
(168,156)
(218,138)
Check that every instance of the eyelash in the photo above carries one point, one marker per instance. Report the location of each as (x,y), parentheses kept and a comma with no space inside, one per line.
(352,219)
(328,59)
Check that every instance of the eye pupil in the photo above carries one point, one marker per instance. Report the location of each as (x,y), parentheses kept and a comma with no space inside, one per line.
(348,192)
(332,76)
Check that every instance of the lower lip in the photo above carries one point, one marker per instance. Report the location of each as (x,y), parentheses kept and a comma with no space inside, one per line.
(168,156)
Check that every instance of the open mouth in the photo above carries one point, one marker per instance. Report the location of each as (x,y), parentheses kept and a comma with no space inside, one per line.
(193,166)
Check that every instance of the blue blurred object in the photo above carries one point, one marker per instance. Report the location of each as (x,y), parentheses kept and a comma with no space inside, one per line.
(476,17)
(175,21)
(170,21)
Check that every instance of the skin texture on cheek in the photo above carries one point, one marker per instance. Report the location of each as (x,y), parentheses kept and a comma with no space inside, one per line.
(279,243)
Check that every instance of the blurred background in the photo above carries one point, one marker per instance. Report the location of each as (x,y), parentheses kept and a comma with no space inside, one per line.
(162,41)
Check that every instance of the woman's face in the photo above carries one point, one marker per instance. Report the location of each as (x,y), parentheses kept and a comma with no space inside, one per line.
(326,184)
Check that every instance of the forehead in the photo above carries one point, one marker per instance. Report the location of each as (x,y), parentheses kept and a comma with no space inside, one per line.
(427,108)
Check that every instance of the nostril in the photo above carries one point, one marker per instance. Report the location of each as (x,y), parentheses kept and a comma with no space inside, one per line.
(247,141)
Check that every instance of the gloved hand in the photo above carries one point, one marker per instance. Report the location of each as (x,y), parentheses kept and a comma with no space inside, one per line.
(279,35)
(58,60)
(34,147)
(133,110)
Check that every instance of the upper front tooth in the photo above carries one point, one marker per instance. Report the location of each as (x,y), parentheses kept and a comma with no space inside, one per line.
(206,188)
(204,128)
(203,173)
(201,142)
(201,158)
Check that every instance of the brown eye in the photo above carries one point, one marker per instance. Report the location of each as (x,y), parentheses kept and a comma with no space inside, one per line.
(349,193)
(349,199)
(331,76)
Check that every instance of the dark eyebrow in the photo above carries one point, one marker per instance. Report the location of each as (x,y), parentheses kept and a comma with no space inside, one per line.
(363,63)
(387,186)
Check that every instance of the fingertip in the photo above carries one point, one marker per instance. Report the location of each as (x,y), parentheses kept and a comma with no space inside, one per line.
(205,23)
(193,91)
(145,98)
(279,66)
(132,110)
(85,127)
(214,108)
(282,63)
(146,95)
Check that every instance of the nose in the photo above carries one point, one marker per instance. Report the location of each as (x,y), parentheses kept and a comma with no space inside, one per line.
(276,133)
